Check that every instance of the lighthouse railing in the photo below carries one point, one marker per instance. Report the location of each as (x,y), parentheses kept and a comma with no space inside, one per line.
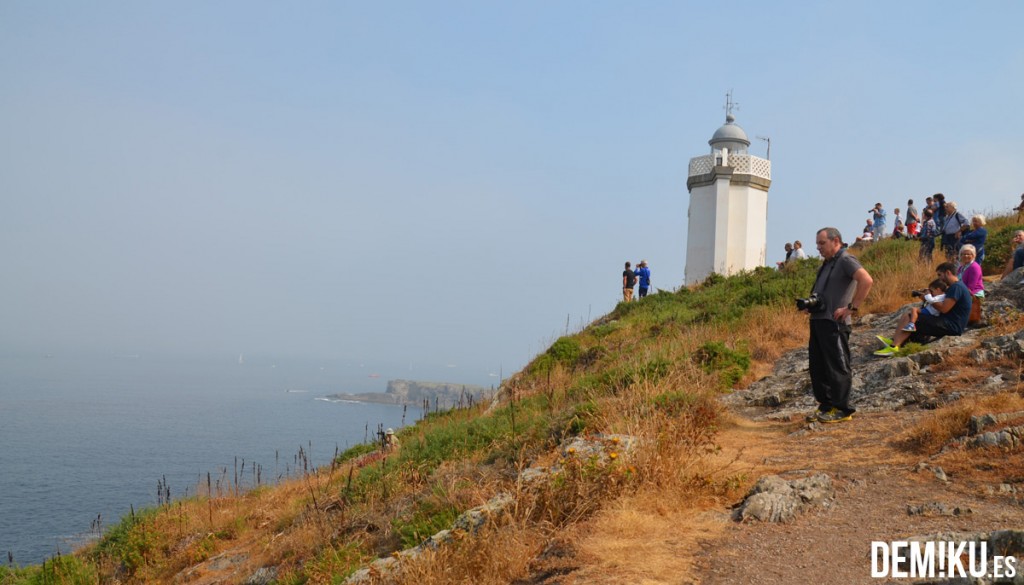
(741,163)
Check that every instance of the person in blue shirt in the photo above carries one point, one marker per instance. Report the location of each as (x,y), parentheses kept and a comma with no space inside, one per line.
(976,237)
(878,218)
(1016,259)
(644,273)
(952,320)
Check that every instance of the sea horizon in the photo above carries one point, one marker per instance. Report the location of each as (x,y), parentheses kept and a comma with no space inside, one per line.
(87,437)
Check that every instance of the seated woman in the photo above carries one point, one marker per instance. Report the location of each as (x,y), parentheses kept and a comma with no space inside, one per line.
(969,273)
(976,237)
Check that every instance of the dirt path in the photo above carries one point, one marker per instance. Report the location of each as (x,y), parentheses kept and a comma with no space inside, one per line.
(875,478)
(876,481)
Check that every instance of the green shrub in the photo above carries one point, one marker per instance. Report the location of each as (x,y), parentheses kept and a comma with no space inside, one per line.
(565,350)
(542,364)
(66,569)
(605,329)
(131,541)
(729,364)
(998,248)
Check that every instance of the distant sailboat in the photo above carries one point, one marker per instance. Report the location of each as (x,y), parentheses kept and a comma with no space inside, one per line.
(241,359)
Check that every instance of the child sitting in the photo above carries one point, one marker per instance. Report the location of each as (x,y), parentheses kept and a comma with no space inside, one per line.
(936,293)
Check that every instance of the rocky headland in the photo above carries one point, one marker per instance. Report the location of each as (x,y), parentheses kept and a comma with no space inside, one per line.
(441,395)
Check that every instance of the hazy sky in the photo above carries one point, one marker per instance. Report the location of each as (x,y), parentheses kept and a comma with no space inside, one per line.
(446,182)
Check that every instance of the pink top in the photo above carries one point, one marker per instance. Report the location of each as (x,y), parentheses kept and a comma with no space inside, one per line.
(971,276)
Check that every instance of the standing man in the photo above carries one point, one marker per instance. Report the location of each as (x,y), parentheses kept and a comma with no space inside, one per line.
(955,223)
(628,282)
(878,218)
(913,218)
(841,286)
(789,254)
(645,277)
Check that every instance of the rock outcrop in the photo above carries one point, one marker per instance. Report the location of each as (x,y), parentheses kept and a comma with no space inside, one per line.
(773,499)
(887,383)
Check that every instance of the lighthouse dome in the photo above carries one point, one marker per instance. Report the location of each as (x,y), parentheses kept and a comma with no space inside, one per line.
(730,136)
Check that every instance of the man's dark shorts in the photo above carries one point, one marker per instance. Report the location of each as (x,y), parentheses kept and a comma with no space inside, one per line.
(930,327)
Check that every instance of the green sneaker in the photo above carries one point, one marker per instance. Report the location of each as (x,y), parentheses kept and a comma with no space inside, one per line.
(835,415)
(888,351)
(888,342)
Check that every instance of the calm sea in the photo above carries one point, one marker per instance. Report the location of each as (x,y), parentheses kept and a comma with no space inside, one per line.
(85,438)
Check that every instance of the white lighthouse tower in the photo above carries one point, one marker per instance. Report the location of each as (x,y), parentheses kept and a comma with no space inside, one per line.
(728,217)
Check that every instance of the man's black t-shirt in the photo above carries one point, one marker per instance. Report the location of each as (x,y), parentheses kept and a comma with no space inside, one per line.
(630,278)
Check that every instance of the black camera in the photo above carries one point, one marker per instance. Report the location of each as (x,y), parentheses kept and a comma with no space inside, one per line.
(811,304)
(918,293)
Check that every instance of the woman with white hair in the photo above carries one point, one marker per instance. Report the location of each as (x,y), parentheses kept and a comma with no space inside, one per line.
(976,236)
(969,273)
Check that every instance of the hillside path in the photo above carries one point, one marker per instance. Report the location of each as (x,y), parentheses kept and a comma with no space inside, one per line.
(875,480)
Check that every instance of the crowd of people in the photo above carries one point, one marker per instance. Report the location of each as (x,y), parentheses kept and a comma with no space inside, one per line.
(949,304)
(937,221)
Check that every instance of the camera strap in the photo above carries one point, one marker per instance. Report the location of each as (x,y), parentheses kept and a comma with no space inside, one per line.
(831,266)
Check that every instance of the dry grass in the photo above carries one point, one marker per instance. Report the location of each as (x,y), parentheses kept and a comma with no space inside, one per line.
(496,555)
(990,466)
(603,507)
(900,273)
(645,526)
(611,513)
(771,332)
(950,422)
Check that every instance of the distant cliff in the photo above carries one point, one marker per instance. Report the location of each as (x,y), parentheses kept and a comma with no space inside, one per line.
(443,394)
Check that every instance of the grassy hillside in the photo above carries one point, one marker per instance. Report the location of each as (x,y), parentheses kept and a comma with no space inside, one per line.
(649,369)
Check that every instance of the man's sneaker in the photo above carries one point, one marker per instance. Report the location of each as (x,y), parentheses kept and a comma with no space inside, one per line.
(910,327)
(887,351)
(835,415)
(888,342)
(813,417)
